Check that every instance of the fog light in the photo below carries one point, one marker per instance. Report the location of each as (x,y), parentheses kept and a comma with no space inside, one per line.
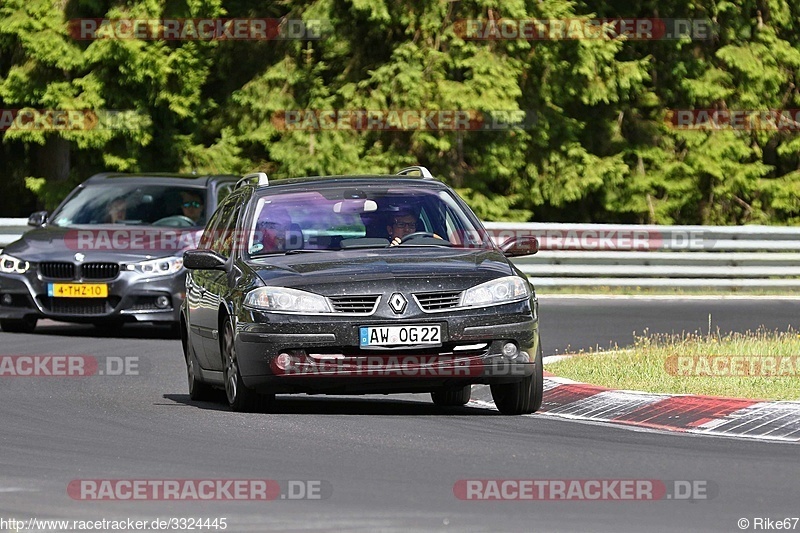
(510,351)
(7,300)
(162,302)
(283,361)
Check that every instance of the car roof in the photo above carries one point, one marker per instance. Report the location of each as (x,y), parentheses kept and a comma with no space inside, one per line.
(368,179)
(162,178)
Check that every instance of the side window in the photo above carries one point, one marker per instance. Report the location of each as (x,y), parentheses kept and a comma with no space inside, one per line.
(455,231)
(211,229)
(225,232)
(426,221)
(224,190)
(433,216)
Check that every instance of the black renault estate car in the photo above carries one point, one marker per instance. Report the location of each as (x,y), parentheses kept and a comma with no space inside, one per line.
(358,285)
(111,253)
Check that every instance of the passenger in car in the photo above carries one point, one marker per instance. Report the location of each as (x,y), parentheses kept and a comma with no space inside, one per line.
(274,227)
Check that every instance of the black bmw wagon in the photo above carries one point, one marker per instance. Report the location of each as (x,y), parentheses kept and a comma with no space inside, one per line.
(358,285)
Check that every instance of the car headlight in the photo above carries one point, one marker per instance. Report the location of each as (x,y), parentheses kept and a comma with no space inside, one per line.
(285,300)
(158,267)
(11,265)
(496,292)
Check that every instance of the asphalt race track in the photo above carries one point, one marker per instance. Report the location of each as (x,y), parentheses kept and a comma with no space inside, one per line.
(576,323)
(383,463)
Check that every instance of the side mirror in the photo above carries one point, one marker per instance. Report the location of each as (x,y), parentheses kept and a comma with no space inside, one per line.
(522,245)
(37,219)
(204,260)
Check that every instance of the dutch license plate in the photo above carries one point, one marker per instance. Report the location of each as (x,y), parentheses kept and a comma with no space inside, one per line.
(400,335)
(77,290)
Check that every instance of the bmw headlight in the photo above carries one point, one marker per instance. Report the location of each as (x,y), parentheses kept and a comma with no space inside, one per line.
(11,265)
(158,267)
(496,292)
(284,300)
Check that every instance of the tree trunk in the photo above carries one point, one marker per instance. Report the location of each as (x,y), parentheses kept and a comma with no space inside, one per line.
(52,160)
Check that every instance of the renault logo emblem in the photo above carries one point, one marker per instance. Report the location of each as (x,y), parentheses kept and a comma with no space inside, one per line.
(398,303)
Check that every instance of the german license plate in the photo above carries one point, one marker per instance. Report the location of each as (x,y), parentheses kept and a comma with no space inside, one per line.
(77,290)
(400,335)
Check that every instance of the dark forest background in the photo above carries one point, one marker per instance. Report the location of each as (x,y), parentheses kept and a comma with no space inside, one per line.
(601,148)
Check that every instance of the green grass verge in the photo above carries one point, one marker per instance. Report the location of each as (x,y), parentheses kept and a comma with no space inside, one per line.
(668,291)
(758,365)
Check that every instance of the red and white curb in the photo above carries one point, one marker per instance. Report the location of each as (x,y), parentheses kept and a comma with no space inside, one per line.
(705,415)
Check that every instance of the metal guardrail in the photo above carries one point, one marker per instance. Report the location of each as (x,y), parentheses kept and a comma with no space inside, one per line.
(617,255)
(12,229)
(621,255)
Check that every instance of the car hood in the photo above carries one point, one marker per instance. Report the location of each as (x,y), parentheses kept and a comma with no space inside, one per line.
(363,271)
(110,243)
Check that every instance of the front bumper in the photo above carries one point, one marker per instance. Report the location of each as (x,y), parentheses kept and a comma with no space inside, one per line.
(132,297)
(290,354)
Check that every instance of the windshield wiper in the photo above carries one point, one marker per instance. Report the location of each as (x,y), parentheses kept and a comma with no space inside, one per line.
(411,244)
(287,252)
(304,251)
(258,255)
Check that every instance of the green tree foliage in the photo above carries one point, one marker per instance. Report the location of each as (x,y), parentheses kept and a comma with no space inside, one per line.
(710,176)
(596,143)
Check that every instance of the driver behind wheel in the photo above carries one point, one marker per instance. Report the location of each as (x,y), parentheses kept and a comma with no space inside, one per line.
(402,224)
(192,205)
(116,210)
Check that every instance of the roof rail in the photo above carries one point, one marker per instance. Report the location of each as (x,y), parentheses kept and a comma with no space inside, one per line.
(256,178)
(416,170)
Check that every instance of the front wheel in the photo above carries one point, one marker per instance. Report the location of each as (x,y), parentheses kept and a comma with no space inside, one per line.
(240,397)
(452,397)
(19,325)
(175,330)
(522,397)
(198,390)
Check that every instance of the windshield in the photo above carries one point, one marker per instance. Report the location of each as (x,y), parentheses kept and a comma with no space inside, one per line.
(361,217)
(133,204)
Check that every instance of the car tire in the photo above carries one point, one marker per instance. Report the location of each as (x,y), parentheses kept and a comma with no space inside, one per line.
(198,390)
(241,398)
(19,325)
(175,330)
(452,397)
(523,397)
(538,380)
